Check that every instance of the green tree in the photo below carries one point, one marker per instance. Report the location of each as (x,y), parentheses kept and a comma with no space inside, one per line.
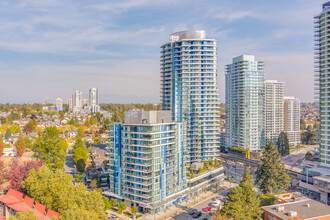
(50,147)
(52,189)
(107,203)
(97,141)
(61,116)
(8,134)
(93,183)
(3,120)
(114,202)
(20,145)
(309,156)
(309,136)
(29,128)
(79,154)
(81,132)
(14,128)
(24,215)
(134,211)
(302,124)
(283,144)
(122,206)
(81,165)
(271,173)
(242,202)
(28,143)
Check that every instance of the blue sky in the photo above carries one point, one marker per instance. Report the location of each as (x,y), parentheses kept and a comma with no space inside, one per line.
(49,48)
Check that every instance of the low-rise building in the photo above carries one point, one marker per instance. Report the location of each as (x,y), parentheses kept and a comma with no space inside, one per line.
(294,206)
(15,201)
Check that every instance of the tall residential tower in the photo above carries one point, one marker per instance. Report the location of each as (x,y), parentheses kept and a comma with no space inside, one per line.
(189,89)
(244,103)
(292,119)
(76,101)
(94,100)
(273,109)
(322,76)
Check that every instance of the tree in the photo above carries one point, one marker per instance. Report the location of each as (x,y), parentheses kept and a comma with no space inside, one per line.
(20,145)
(309,136)
(21,171)
(107,203)
(50,147)
(29,128)
(134,211)
(309,156)
(2,171)
(3,120)
(302,124)
(14,128)
(114,202)
(81,165)
(61,116)
(93,183)
(79,153)
(28,143)
(81,131)
(8,134)
(219,216)
(24,215)
(271,173)
(242,202)
(283,144)
(2,145)
(97,141)
(122,206)
(52,189)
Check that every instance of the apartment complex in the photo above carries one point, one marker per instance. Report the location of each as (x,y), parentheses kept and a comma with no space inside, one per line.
(292,119)
(245,103)
(189,89)
(273,109)
(94,100)
(147,157)
(322,74)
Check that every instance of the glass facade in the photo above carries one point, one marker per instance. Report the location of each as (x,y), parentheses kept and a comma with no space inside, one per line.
(244,103)
(189,89)
(322,78)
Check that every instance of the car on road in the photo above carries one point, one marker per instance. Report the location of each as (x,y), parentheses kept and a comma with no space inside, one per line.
(207,209)
(193,212)
(198,214)
(205,218)
(216,203)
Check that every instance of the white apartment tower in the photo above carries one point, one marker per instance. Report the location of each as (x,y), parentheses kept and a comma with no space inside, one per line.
(292,119)
(94,100)
(189,89)
(77,101)
(59,104)
(244,103)
(273,110)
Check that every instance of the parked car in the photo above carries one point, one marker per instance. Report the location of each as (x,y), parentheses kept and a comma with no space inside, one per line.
(207,209)
(216,203)
(198,214)
(193,212)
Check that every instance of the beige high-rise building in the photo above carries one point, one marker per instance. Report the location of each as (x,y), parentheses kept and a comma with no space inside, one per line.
(292,119)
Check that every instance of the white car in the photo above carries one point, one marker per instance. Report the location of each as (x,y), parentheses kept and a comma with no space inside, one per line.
(216,203)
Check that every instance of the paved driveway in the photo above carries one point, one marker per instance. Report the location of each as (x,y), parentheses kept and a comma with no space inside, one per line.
(69,164)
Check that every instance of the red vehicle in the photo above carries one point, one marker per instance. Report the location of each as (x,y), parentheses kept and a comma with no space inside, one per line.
(207,209)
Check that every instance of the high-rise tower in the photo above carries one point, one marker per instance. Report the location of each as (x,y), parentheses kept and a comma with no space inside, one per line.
(244,103)
(94,100)
(322,82)
(292,119)
(273,109)
(76,101)
(189,89)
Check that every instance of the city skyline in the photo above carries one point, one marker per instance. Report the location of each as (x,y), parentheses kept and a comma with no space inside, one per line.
(108,45)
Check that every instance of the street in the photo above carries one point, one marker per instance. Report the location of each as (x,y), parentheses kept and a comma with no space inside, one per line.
(69,164)
(185,214)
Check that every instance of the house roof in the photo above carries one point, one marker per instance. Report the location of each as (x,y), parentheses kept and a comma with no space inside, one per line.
(306,208)
(51,213)
(12,196)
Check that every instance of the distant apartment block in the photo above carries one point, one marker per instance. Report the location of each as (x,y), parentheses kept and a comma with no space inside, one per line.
(273,109)
(59,104)
(70,104)
(77,101)
(292,119)
(189,89)
(94,100)
(245,103)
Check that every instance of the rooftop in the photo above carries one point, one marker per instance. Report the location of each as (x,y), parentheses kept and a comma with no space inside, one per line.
(188,35)
(305,208)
